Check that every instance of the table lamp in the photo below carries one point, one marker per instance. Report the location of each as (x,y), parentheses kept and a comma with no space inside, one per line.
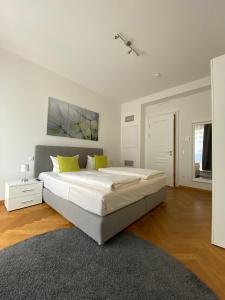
(24,168)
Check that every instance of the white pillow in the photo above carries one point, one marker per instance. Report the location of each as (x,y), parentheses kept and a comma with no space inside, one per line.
(90,163)
(56,163)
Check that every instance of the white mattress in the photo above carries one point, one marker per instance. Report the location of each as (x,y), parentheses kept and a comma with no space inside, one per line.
(98,200)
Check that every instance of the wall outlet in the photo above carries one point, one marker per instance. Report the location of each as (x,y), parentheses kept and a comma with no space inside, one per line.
(128,163)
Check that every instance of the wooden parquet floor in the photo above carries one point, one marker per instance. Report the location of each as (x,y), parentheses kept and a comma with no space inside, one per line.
(181,226)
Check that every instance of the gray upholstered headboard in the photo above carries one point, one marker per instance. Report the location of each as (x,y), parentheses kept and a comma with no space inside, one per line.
(42,161)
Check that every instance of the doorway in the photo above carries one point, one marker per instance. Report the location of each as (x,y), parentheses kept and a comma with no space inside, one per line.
(160,150)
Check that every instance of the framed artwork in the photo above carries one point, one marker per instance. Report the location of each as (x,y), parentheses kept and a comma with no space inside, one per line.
(68,120)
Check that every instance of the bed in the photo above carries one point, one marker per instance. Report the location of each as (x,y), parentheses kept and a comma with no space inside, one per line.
(123,207)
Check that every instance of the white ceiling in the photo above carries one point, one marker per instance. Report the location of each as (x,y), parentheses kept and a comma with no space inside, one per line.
(75,39)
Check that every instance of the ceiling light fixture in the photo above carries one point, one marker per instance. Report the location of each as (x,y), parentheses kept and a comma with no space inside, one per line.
(157,75)
(127,43)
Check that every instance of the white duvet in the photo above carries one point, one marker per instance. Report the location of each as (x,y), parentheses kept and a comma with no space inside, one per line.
(99,200)
(130,171)
(100,179)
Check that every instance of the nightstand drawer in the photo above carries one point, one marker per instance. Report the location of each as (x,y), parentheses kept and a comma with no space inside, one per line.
(21,202)
(23,190)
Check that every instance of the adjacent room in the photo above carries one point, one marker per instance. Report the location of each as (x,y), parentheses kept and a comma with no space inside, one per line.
(112,149)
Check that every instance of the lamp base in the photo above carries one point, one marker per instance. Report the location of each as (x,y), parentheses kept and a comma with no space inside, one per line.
(24,179)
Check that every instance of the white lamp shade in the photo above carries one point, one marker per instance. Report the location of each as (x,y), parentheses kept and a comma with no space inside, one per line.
(24,168)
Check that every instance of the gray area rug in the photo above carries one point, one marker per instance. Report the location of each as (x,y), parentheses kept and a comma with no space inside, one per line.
(67,264)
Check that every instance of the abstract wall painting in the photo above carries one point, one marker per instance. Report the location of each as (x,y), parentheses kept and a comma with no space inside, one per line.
(69,120)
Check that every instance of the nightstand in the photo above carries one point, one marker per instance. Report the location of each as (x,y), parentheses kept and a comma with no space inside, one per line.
(20,194)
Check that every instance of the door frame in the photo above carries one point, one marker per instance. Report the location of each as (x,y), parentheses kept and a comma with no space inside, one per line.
(176,141)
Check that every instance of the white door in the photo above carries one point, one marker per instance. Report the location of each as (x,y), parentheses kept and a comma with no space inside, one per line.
(160,145)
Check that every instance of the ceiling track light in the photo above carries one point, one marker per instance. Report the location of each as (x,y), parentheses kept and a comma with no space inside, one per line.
(127,43)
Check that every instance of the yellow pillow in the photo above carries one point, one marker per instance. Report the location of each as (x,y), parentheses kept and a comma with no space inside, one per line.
(101,161)
(68,164)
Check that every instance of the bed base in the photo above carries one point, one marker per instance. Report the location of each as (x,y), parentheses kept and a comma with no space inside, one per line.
(102,228)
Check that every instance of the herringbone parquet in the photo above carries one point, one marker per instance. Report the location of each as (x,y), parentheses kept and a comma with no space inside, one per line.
(181,226)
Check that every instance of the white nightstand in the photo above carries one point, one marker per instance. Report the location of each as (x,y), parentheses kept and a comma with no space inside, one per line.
(20,194)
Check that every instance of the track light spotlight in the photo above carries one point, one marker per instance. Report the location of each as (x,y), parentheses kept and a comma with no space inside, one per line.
(127,43)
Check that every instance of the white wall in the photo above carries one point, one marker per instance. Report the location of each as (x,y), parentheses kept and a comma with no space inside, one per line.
(131,152)
(192,104)
(24,91)
(218,109)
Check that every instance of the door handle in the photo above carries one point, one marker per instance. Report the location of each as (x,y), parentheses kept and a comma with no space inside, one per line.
(24,191)
(170,152)
(26,201)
